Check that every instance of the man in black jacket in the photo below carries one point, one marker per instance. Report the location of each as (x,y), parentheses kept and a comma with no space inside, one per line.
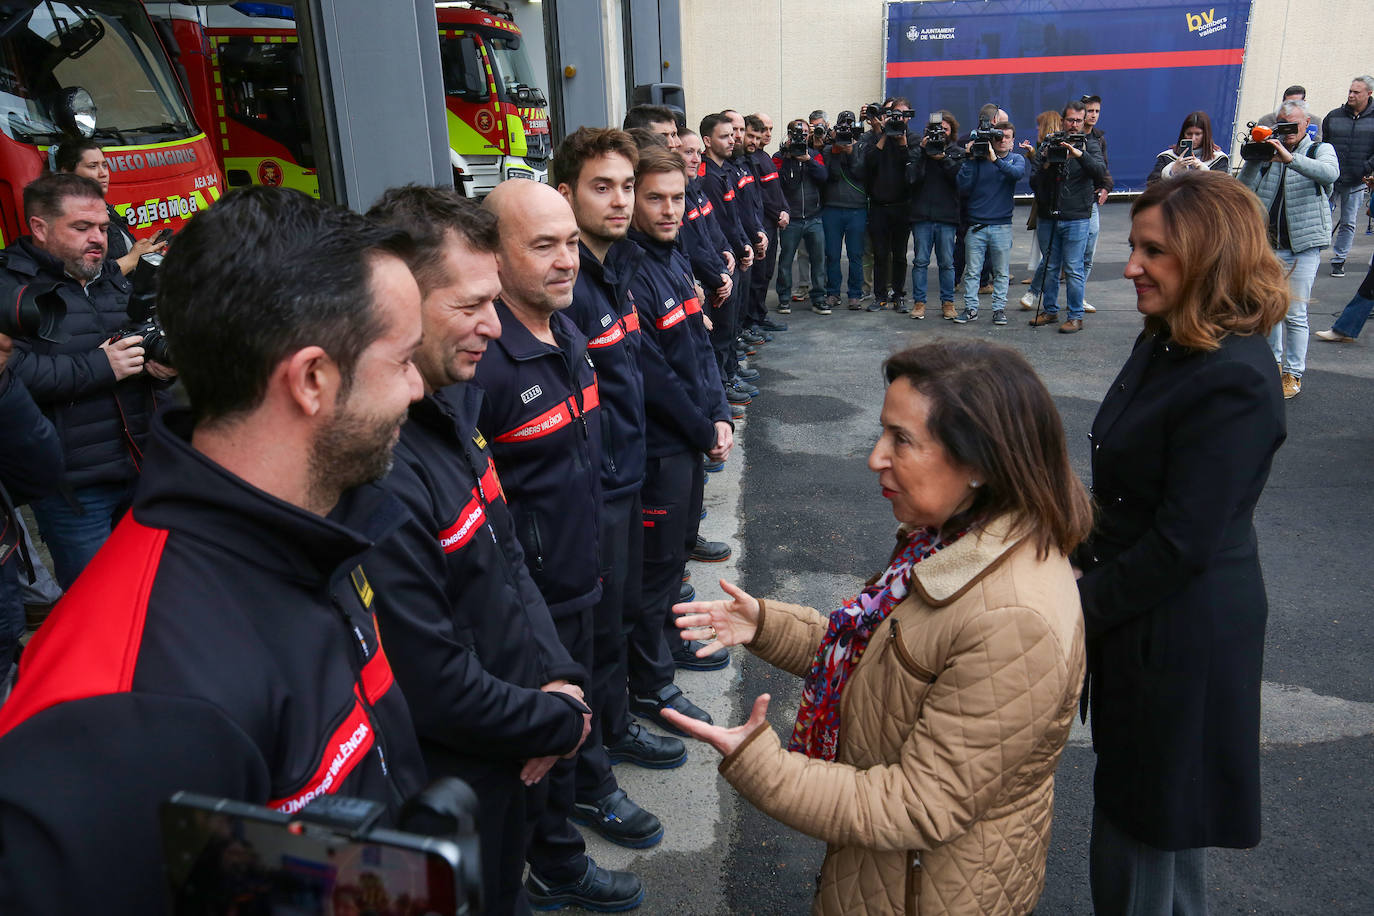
(803,174)
(1350,129)
(222,640)
(1065,192)
(30,466)
(492,690)
(889,204)
(98,392)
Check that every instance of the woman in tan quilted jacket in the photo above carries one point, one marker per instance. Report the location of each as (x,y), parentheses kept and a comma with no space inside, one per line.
(936,702)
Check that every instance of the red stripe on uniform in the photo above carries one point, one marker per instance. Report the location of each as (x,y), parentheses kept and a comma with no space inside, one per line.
(545,424)
(769,177)
(709,208)
(676,316)
(346,748)
(746,179)
(693,213)
(1069,63)
(491,484)
(89,645)
(631,322)
(377,676)
(456,536)
(613,336)
(693,306)
(591,397)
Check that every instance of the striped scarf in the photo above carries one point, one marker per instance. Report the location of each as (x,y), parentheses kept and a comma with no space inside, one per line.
(817,731)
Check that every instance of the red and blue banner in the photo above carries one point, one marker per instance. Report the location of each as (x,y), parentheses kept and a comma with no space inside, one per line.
(1151,62)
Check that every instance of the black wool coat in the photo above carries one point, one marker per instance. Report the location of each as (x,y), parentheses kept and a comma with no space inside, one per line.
(1173,600)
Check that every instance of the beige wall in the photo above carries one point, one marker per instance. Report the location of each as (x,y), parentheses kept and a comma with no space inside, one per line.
(787,57)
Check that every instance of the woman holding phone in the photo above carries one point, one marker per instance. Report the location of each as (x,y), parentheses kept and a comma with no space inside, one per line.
(1193,152)
(84,157)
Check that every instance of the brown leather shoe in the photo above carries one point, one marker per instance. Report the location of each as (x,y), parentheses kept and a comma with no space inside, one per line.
(1044,318)
(918,310)
(947,310)
(984,290)
(1072,326)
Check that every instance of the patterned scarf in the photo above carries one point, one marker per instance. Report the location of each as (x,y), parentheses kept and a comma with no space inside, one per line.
(817,731)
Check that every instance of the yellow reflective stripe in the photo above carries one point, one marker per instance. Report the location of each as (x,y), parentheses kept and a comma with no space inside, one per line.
(292,175)
(167,144)
(515,129)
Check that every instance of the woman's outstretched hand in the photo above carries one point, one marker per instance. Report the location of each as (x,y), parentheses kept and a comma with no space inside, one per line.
(731,621)
(725,740)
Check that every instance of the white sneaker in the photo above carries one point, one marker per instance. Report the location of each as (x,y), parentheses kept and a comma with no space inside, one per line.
(1027,302)
(1088,308)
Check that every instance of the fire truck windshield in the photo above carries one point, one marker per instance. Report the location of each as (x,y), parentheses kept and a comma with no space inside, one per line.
(106,47)
(511,66)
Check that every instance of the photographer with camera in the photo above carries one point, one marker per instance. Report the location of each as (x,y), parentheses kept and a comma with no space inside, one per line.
(889,211)
(30,467)
(932,169)
(987,180)
(1064,173)
(844,211)
(802,173)
(98,385)
(1293,178)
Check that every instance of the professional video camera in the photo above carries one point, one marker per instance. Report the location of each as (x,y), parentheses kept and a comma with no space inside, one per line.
(937,135)
(846,129)
(143,311)
(226,856)
(1258,148)
(870,111)
(1050,151)
(984,137)
(798,140)
(895,121)
(36,310)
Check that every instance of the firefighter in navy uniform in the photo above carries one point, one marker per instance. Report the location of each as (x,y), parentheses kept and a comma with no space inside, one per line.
(758,131)
(222,641)
(687,417)
(594,171)
(701,240)
(719,184)
(492,690)
(542,416)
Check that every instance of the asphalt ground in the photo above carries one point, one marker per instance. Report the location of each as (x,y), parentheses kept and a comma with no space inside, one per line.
(808,524)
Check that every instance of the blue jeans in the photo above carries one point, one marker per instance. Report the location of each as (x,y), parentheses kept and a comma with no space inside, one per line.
(1352,319)
(1347,203)
(992,243)
(810,232)
(1063,242)
(1288,339)
(929,235)
(74,534)
(844,226)
(1094,225)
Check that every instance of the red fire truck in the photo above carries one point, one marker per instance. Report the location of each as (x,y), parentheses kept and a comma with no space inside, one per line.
(98,69)
(245,77)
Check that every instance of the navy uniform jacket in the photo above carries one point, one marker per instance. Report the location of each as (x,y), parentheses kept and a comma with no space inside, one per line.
(682,386)
(611,327)
(749,196)
(470,637)
(718,183)
(222,642)
(700,238)
(542,416)
(770,190)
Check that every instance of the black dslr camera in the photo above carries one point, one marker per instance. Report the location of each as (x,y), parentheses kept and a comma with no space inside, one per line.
(1258,148)
(143,311)
(36,310)
(870,111)
(983,138)
(895,122)
(846,129)
(1050,150)
(798,139)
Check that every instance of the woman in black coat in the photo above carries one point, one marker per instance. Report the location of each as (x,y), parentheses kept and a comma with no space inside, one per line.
(1172,595)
